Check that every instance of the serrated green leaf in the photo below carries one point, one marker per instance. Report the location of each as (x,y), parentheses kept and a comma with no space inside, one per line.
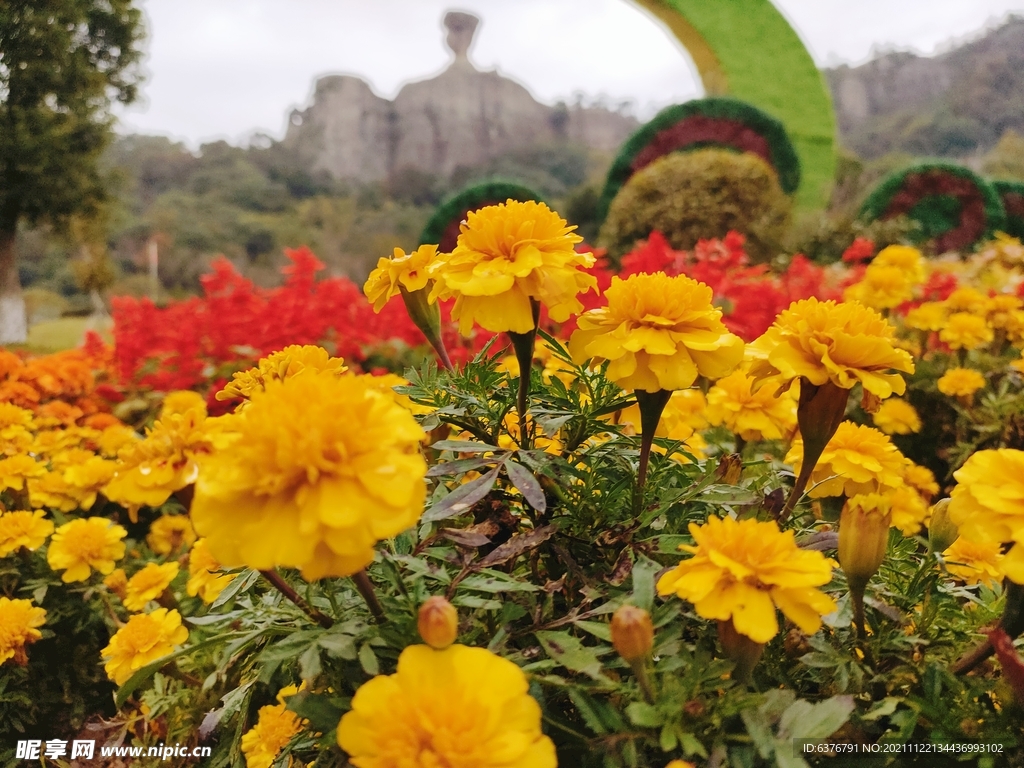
(572,654)
(644,715)
(368,660)
(803,720)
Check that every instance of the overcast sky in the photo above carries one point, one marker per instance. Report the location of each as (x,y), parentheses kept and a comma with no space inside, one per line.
(227,68)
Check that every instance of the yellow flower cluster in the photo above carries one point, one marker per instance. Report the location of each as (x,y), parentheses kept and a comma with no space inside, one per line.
(275,727)
(316,470)
(744,570)
(659,332)
(753,414)
(19,623)
(683,417)
(204,578)
(890,279)
(508,258)
(987,505)
(455,707)
(857,460)
(84,545)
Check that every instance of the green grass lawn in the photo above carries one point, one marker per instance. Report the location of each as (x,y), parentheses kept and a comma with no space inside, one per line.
(65,333)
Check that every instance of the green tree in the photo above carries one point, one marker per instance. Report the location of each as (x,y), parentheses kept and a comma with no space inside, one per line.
(63,63)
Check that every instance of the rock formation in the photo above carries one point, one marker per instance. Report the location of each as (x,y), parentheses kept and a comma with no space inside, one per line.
(463,117)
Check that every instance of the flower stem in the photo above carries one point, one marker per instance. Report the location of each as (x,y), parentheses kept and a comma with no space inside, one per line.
(523,344)
(651,405)
(365,587)
(285,589)
(1012,623)
(639,667)
(819,414)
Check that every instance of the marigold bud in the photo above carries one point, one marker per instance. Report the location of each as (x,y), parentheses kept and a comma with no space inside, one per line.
(438,623)
(632,632)
(863,536)
(942,532)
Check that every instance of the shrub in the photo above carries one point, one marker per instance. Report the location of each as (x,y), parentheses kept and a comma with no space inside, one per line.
(698,195)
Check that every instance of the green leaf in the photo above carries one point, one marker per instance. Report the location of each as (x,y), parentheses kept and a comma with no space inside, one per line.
(645,715)
(759,730)
(463,446)
(598,629)
(339,646)
(309,662)
(644,571)
(804,720)
(526,484)
(239,584)
(462,498)
(572,654)
(495,581)
(884,708)
(133,682)
(368,661)
(323,712)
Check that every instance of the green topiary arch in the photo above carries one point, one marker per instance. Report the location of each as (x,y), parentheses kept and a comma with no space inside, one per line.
(1011,193)
(747,49)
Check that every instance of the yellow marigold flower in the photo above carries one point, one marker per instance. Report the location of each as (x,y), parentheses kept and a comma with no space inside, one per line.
(963,330)
(929,316)
(408,271)
(148,584)
(480,714)
(311,475)
(14,420)
(85,544)
(170,533)
(202,577)
(23,529)
(508,256)
(680,764)
(908,260)
(920,478)
(182,401)
(975,563)
(1018,365)
(823,341)
(659,333)
(753,415)
(1003,311)
(51,490)
(19,620)
(150,470)
(117,582)
(743,570)
(88,478)
(112,439)
(960,382)
(683,415)
(387,382)
(275,727)
(910,512)
(967,300)
(897,417)
(882,287)
(144,639)
(857,460)
(14,470)
(987,505)
(279,366)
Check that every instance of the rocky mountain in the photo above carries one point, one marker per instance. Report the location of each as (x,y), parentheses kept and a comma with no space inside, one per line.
(462,118)
(955,104)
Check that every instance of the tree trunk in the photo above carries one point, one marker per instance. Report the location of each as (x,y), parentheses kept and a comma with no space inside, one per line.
(13,323)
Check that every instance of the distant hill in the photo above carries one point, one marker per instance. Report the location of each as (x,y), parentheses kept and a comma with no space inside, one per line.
(956,104)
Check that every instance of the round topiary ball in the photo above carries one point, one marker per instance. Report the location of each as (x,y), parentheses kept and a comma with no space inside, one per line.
(704,193)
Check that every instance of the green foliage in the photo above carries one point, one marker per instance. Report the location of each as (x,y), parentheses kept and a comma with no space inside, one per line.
(701,194)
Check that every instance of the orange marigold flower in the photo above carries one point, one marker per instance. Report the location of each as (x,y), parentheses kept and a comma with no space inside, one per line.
(857,460)
(169,533)
(23,529)
(742,570)
(509,256)
(659,332)
(481,714)
(823,341)
(85,544)
(19,622)
(148,584)
(144,639)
